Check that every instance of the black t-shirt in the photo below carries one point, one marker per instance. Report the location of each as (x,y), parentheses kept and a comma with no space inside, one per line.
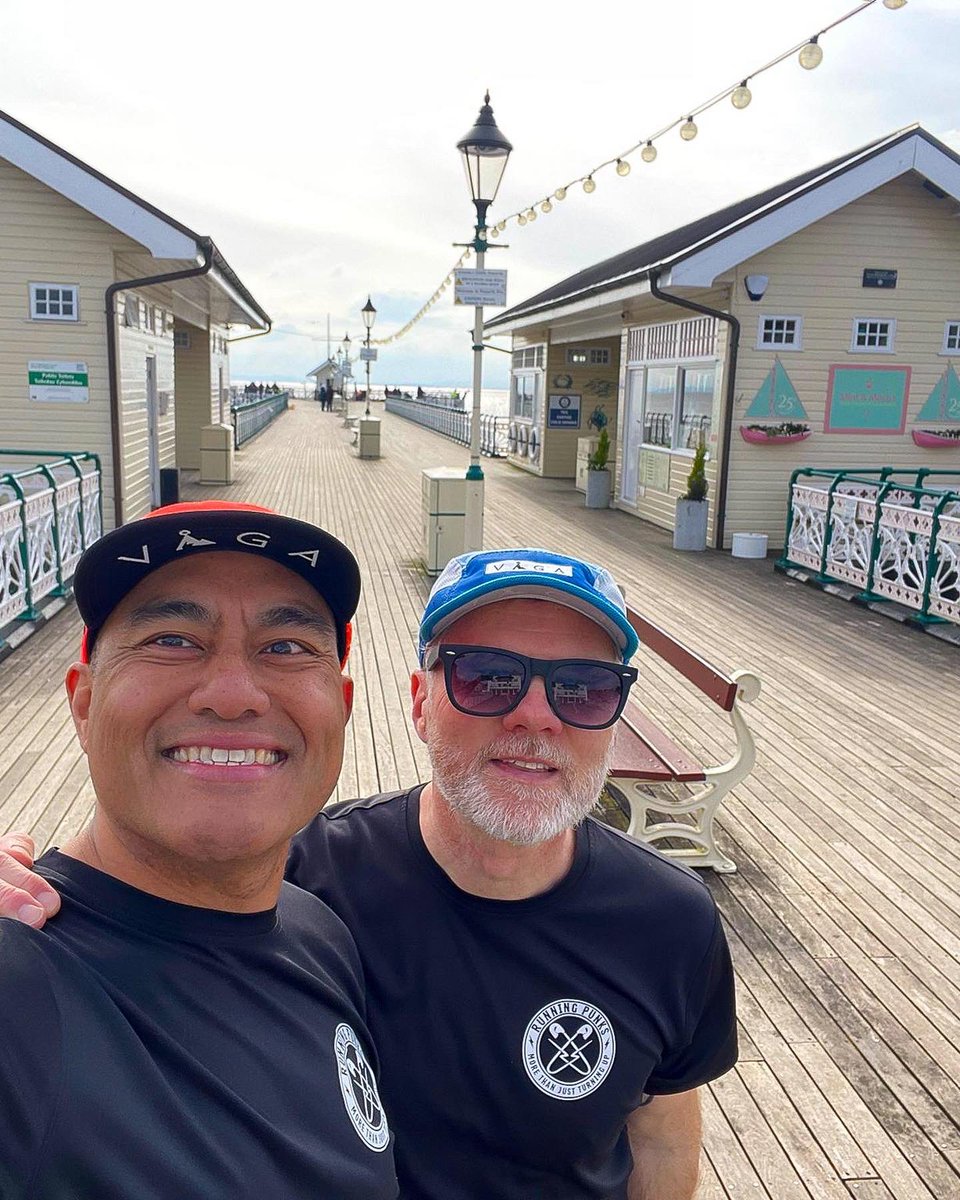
(516,1037)
(164,1052)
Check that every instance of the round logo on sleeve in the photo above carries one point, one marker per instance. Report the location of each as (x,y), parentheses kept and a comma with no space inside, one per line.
(568,1049)
(359,1087)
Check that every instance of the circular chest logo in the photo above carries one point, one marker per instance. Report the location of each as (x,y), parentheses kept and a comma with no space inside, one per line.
(568,1049)
(359,1087)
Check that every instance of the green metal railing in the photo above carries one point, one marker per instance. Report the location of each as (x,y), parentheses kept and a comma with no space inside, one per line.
(249,419)
(49,513)
(886,530)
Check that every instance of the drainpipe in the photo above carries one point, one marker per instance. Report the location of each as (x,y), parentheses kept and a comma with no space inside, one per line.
(734,324)
(113,370)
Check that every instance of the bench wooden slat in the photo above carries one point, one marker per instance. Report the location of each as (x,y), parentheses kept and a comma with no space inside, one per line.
(721,689)
(650,753)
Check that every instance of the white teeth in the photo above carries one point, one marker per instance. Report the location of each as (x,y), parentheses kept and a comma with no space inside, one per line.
(218,756)
(528,766)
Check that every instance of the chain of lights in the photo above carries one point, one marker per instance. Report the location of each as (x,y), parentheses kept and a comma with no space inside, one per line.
(809,55)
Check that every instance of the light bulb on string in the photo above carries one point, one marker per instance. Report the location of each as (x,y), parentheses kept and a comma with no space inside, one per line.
(741,96)
(531,214)
(560,193)
(811,55)
(501,225)
(495,232)
(623,167)
(589,185)
(688,130)
(649,152)
(521,220)
(546,206)
(894,3)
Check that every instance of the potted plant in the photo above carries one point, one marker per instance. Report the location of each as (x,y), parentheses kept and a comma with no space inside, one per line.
(936,439)
(598,476)
(786,431)
(690,524)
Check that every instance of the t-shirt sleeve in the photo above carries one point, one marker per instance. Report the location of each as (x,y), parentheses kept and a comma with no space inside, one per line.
(30,1057)
(710,1047)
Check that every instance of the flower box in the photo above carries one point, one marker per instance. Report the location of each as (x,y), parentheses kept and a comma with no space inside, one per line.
(759,438)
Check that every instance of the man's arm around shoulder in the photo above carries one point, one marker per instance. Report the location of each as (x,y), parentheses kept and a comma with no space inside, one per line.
(665,1137)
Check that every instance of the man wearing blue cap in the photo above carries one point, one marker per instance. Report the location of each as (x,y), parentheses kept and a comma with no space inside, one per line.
(546,994)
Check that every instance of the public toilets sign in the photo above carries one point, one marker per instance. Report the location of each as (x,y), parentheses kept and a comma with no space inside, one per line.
(58,382)
(479,288)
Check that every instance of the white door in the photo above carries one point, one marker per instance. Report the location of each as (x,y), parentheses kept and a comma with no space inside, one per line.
(153,431)
(632,437)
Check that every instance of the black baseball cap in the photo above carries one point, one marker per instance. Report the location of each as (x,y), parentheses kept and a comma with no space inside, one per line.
(114,565)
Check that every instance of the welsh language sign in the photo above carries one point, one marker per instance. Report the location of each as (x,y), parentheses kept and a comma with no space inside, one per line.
(479,287)
(563,411)
(58,382)
(867,400)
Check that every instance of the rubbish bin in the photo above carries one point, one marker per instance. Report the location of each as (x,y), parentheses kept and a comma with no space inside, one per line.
(749,545)
(216,454)
(444,491)
(169,485)
(368,440)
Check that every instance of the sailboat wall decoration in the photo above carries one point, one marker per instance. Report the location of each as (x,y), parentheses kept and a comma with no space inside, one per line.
(776,402)
(942,405)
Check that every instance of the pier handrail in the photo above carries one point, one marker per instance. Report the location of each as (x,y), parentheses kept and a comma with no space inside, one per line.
(49,513)
(253,416)
(454,423)
(873,528)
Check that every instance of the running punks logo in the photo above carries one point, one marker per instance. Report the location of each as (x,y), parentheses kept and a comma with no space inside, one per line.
(568,1049)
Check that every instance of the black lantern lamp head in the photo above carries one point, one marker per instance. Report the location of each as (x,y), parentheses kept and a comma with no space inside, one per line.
(369,314)
(485,152)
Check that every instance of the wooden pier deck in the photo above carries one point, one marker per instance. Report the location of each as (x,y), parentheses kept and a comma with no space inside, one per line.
(844,918)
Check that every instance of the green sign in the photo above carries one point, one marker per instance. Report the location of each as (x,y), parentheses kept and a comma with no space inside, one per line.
(777,398)
(943,403)
(867,400)
(58,382)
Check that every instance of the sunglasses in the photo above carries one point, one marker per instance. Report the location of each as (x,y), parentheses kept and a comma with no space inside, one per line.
(485,682)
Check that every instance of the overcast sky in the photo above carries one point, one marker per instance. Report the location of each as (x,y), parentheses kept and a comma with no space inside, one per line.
(317,144)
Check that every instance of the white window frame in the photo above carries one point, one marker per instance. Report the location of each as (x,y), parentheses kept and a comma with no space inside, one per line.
(892,336)
(589,356)
(181,339)
(61,288)
(676,412)
(951,331)
(796,344)
(537,375)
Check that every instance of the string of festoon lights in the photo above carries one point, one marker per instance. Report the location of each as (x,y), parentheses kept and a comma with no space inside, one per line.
(809,54)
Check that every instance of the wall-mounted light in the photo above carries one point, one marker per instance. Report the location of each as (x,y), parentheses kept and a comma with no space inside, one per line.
(756,285)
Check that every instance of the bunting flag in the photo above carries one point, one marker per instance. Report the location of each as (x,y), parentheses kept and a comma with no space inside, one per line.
(943,403)
(777,398)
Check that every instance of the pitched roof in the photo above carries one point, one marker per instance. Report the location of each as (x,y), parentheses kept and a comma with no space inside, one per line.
(637,264)
(143,222)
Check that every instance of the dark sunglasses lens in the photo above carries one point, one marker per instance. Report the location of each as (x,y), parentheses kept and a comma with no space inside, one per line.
(586,694)
(484,682)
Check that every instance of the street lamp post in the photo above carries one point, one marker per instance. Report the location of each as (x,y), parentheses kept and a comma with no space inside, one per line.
(485,152)
(369,314)
(346,368)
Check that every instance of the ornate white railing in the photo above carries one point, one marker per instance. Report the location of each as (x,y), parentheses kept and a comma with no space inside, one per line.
(888,532)
(49,513)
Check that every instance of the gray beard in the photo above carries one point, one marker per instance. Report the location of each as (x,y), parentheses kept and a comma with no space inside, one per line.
(515,811)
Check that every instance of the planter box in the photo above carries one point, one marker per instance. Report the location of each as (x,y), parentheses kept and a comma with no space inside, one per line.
(690,525)
(598,489)
(759,438)
(933,441)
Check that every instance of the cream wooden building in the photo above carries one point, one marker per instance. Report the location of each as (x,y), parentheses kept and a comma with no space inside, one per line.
(815,324)
(115,322)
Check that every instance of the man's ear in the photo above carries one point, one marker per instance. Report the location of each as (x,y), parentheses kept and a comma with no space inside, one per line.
(418,694)
(347,685)
(79,685)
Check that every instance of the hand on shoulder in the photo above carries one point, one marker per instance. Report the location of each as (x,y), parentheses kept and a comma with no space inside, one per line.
(24,895)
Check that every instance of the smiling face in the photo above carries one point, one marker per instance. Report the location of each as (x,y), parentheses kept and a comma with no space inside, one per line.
(213,712)
(523,777)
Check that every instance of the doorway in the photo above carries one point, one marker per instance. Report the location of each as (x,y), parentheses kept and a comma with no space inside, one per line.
(632,437)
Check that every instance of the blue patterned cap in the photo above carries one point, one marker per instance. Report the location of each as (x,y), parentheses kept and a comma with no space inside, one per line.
(471,580)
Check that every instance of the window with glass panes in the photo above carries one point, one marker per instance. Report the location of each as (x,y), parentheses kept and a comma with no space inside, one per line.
(53,301)
(678,406)
(780,333)
(951,337)
(659,402)
(873,335)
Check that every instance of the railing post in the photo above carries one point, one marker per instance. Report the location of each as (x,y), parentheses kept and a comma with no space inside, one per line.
(59,590)
(924,617)
(823,577)
(868,593)
(29,613)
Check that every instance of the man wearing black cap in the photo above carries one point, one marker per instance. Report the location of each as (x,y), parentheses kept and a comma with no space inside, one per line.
(190,1025)
(546,994)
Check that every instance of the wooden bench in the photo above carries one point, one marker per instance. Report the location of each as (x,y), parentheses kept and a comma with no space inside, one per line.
(648,765)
